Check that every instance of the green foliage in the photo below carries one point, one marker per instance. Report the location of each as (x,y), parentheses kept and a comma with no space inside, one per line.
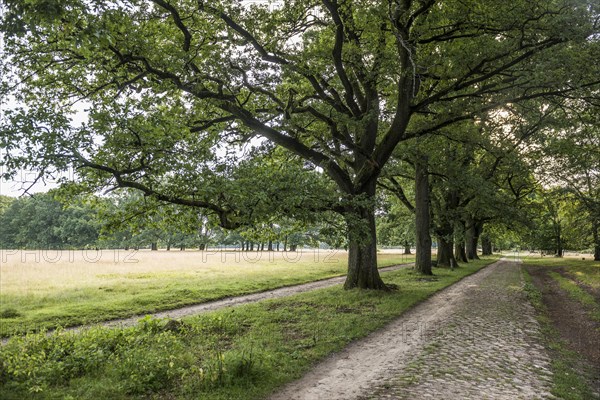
(558,220)
(42,222)
(5,202)
(395,223)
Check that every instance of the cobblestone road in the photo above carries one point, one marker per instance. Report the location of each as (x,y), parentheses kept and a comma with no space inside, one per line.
(487,349)
(478,339)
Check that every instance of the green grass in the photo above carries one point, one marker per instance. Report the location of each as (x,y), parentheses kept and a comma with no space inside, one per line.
(40,294)
(578,272)
(244,352)
(578,294)
(568,382)
(585,271)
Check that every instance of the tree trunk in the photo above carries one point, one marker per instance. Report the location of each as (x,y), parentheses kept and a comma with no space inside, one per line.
(486,245)
(362,245)
(422,218)
(154,246)
(558,239)
(270,245)
(262,246)
(285,243)
(293,247)
(407,248)
(459,251)
(445,255)
(168,246)
(277,246)
(595,234)
(202,247)
(472,239)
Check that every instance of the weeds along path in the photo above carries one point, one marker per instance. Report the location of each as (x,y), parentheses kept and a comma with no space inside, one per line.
(477,339)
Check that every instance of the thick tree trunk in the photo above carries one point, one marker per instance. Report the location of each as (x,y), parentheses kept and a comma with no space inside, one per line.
(472,239)
(445,255)
(486,245)
(362,247)
(154,246)
(168,246)
(596,236)
(459,251)
(422,218)
(407,248)
(202,247)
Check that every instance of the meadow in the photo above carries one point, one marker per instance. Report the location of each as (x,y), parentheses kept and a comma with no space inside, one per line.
(46,289)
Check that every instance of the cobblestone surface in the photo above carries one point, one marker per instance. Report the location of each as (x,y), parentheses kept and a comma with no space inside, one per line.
(487,349)
(477,339)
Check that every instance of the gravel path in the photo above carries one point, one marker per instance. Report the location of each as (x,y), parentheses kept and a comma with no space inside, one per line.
(477,339)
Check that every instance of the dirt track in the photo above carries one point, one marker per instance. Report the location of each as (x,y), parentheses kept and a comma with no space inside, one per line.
(571,320)
(477,339)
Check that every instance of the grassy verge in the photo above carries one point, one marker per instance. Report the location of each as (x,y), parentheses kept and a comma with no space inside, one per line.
(243,352)
(578,294)
(43,290)
(568,383)
(585,271)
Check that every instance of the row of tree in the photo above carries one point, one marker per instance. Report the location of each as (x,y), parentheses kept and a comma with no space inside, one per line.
(311,112)
(551,221)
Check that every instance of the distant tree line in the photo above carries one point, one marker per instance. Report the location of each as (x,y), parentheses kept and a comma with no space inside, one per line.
(43,221)
(550,221)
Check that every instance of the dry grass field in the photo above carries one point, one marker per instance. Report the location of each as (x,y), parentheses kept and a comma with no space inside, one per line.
(47,288)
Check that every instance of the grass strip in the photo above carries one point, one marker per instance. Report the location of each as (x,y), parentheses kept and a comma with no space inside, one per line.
(242,352)
(31,305)
(585,271)
(578,294)
(567,380)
